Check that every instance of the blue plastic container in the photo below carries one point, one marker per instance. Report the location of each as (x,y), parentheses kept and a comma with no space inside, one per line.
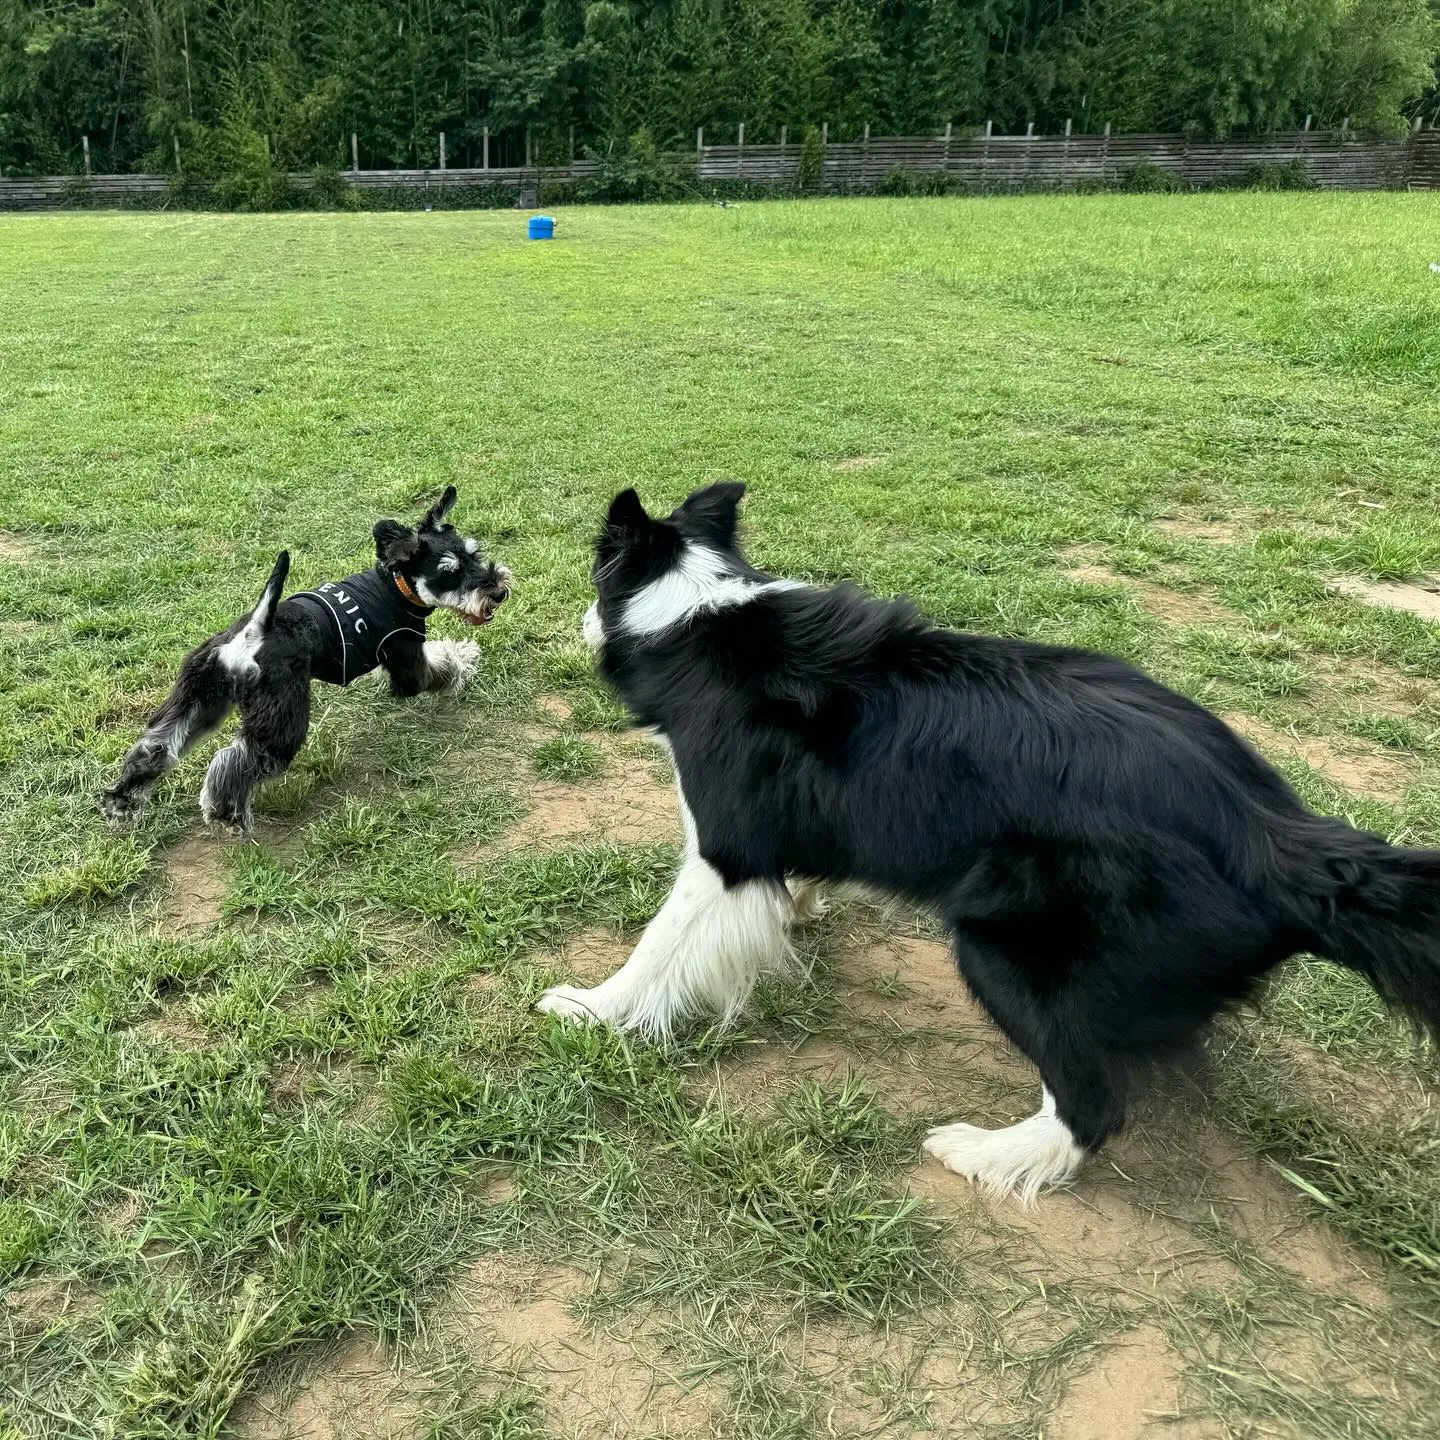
(542,227)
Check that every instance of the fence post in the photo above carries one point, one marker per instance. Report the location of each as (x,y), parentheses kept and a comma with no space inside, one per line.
(945,162)
(1105,154)
(527,147)
(442,149)
(1344,127)
(179,168)
(1419,121)
(699,138)
(485,149)
(985,154)
(572,147)
(740,152)
(354,154)
(1065,156)
(1029,153)
(85,146)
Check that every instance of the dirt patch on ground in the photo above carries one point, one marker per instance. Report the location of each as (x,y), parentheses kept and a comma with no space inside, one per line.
(1216,532)
(197,878)
(175,1026)
(1131,1393)
(626,805)
(1362,771)
(1172,606)
(556,706)
(44,1304)
(516,1315)
(592,956)
(859,462)
(15,549)
(1422,600)
(352,1394)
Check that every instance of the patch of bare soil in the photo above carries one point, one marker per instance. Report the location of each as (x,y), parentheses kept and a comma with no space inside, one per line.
(352,1394)
(1216,532)
(35,1306)
(1421,600)
(175,1026)
(196,872)
(592,956)
(1363,770)
(626,805)
(1131,1393)
(1172,606)
(858,462)
(515,1314)
(556,706)
(15,549)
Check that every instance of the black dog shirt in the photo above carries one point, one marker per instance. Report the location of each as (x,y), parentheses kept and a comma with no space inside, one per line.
(356,616)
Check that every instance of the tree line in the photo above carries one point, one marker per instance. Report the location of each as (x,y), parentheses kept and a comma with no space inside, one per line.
(215,86)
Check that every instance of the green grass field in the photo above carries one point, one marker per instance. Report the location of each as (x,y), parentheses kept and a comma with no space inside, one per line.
(284,1149)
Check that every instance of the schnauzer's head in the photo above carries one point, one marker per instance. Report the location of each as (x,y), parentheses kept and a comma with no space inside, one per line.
(442,566)
(650,572)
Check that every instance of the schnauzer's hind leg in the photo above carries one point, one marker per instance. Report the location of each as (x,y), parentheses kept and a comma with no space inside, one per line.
(273,724)
(196,706)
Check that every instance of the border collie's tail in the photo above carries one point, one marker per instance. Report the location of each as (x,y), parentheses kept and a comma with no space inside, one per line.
(263,615)
(1382,920)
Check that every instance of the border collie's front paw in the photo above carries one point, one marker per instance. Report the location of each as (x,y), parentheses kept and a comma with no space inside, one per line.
(573,1003)
(1021,1160)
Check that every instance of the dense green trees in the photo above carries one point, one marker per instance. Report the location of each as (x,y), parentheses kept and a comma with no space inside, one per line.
(247,84)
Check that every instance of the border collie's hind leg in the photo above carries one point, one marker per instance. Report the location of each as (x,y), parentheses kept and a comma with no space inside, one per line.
(273,723)
(196,706)
(703,952)
(1080,1103)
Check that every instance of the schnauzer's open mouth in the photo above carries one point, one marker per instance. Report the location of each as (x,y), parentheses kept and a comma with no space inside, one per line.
(483,616)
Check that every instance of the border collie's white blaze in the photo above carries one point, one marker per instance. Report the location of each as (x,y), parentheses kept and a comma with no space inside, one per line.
(1113,864)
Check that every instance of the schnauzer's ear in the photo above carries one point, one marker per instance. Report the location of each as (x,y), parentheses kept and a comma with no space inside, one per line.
(627,516)
(712,513)
(439,510)
(394,543)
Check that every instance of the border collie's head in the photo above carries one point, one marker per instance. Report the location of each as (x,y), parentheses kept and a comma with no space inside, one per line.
(650,573)
(442,566)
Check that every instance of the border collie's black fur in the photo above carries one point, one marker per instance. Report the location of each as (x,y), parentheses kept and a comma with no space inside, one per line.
(263,663)
(1115,865)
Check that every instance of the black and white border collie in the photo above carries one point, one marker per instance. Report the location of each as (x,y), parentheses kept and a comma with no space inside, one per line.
(1113,863)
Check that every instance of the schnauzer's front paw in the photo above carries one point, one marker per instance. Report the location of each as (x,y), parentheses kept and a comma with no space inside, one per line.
(452,663)
(573,1003)
(120,809)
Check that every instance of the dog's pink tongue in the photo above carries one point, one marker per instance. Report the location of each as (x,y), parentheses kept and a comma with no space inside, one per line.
(477,619)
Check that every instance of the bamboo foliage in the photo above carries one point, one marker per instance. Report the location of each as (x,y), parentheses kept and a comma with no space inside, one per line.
(242,86)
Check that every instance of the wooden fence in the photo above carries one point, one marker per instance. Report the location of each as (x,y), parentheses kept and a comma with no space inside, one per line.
(1335,159)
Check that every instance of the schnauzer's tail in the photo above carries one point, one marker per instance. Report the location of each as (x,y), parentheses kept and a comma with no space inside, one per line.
(263,616)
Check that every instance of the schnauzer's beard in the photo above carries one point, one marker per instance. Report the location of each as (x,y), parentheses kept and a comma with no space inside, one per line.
(474,606)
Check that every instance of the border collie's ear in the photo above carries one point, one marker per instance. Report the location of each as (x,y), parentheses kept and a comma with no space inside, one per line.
(394,543)
(627,515)
(439,510)
(712,512)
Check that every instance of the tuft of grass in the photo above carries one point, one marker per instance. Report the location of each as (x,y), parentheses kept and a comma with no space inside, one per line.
(568,758)
(104,870)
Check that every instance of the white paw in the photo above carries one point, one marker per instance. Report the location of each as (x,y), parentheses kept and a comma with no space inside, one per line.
(1021,1160)
(810,902)
(574,1004)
